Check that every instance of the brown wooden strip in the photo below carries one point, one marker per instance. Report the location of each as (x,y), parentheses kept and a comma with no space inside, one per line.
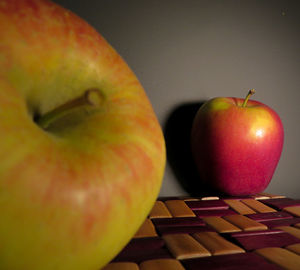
(282,257)
(221,225)
(178,208)
(159,210)
(260,196)
(294,248)
(121,266)
(210,198)
(297,225)
(240,207)
(146,230)
(258,206)
(216,244)
(245,223)
(191,199)
(184,246)
(294,210)
(161,264)
(271,196)
(291,230)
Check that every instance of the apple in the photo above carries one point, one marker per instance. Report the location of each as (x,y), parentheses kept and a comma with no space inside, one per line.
(236,144)
(82,154)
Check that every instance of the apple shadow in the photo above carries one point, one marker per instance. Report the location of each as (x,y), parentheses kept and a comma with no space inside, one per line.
(177,132)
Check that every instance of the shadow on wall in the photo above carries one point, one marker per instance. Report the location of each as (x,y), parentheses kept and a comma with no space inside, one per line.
(177,133)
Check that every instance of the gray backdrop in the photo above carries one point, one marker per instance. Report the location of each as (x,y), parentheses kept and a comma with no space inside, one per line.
(187,51)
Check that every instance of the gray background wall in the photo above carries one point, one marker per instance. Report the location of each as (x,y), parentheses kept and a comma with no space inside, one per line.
(187,51)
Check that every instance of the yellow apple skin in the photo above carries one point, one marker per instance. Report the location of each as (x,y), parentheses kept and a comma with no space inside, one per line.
(73,195)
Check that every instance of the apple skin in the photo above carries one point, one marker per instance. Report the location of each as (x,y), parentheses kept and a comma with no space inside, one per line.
(73,195)
(236,149)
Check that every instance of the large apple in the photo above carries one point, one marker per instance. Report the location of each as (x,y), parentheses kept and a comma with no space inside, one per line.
(82,154)
(236,144)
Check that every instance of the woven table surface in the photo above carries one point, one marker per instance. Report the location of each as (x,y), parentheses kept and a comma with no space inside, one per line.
(184,233)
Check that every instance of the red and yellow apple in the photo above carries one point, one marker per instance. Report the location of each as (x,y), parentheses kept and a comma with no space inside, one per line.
(236,144)
(82,154)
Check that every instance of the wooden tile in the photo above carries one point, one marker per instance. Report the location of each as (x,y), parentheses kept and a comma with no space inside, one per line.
(159,210)
(178,222)
(260,197)
(282,257)
(209,198)
(281,222)
(161,264)
(192,199)
(142,249)
(294,248)
(178,208)
(169,198)
(214,213)
(143,255)
(121,266)
(145,244)
(249,261)
(294,210)
(183,229)
(245,223)
(282,203)
(256,233)
(184,246)
(216,244)
(271,196)
(270,216)
(240,207)
(221,225)
(146,230)
(238,198)
(291,230)
(258,206)
(258,240)
(207,205)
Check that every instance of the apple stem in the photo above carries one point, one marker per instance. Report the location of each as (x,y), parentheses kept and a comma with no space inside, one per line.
(250,93)
(91,97)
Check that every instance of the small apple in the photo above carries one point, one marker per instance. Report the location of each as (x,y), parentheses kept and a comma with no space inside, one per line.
(236,144)
(82,154)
